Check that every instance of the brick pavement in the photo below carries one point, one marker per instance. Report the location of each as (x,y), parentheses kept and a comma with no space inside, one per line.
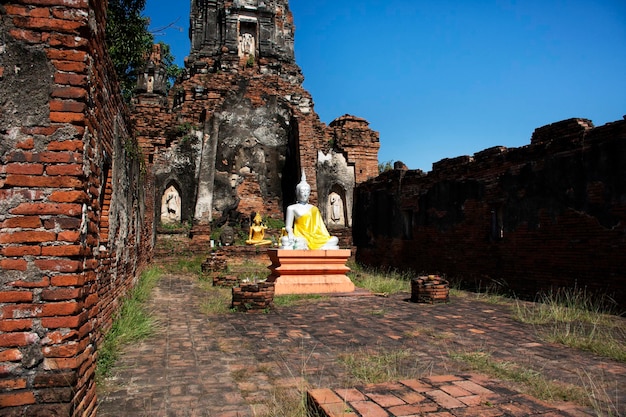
(232,364)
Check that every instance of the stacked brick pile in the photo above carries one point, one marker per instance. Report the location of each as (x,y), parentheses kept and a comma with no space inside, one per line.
(253,297)
(216,262)
(430,289)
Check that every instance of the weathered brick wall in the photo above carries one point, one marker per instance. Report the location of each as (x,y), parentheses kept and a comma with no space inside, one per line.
(353,136)
(71,207)
(157,118)
(528,219)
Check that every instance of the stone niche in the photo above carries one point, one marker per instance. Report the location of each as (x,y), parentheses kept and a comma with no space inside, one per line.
(248,36)
(171,206)
(335,184)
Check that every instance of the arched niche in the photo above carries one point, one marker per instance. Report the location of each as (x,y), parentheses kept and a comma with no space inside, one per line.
(336,207)
(171,205)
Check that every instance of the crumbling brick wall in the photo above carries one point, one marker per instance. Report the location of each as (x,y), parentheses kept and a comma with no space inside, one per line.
(253,125)
(71,206)
(550,214)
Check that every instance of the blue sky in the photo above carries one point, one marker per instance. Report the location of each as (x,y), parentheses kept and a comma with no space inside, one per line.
(440,79)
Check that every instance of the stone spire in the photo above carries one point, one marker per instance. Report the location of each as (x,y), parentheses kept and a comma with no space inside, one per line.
(153,79)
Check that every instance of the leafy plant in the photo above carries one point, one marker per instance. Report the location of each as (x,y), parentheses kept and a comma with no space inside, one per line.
(129,42)
(250,61)
(172,70)
(216,299)
(128,39)
(289,300)
(272,223)
(385,166)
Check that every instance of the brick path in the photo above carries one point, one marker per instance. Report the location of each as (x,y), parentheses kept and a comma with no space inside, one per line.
(230,365)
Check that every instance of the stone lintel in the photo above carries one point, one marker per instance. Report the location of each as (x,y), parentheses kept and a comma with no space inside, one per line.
(310,271)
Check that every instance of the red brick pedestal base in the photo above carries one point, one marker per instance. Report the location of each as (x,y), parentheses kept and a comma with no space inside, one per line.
(309,271)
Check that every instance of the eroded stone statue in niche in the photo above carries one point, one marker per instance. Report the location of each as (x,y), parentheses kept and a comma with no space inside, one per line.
(336,208)
(246,43)
(170,206)
(304,224)
(257,232)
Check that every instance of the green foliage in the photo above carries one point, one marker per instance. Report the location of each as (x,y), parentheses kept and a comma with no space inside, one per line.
(250,61)
(275,224)
(216,300)
(173,71)
(128,39)
(176,226)
(183,129)
(132,323)
(385,166)
(130,43)
(188,265)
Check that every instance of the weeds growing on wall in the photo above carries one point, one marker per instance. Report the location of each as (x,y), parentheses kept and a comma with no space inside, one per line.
(132,323)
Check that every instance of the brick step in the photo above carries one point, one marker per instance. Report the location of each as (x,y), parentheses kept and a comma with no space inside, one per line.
(442,395)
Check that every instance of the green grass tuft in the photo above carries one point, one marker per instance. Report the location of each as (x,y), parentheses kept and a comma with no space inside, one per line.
(533,382)
(380,282)
(575,318)
(383,366)
(131,324)
(288,300)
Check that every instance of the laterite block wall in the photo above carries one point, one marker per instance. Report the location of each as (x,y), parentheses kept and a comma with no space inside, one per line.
(71,206)
(547,215)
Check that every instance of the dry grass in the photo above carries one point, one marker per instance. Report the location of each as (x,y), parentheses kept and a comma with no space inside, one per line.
(376,366)
(576,319)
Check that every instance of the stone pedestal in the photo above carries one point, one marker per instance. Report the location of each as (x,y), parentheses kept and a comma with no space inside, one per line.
(309,271)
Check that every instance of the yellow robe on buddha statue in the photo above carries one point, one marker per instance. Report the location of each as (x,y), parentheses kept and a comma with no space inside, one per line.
(310,226)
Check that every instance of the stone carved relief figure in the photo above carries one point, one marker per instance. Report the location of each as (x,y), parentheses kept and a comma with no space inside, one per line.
(257,232)
(170,206)
(304,224)
(246,44)
(336,208)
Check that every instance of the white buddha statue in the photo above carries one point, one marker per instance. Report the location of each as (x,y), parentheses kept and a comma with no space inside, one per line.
(304,224)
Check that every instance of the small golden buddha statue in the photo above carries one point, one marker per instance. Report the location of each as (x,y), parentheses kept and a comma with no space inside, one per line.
(257,232)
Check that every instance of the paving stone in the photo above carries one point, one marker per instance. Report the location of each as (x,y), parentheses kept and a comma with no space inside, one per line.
(193,364)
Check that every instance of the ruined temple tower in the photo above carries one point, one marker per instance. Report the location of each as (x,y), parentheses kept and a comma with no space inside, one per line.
(235,131)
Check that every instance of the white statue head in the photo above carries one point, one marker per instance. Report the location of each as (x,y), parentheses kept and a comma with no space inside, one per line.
(303,190)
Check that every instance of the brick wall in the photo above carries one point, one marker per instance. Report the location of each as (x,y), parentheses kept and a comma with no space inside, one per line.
(71,206)
(546,215)
(353,136)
